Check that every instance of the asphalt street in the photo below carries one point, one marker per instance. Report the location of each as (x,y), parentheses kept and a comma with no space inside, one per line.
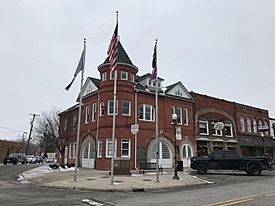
(231,188)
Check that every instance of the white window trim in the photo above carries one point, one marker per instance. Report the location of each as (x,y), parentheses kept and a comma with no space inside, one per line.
(242,124)
(255,127)
(112,78)
(100,110)
(185,117)
(87,113)
(104,76)
(70,150)
(129,151)
(121,75)
(132,78)
(174,111)
(114,109)
(99,142)
(94,112)
(231,129)
(249,125)
(106,154)
(129,114)
(152,110)
(74,150)
(207,129)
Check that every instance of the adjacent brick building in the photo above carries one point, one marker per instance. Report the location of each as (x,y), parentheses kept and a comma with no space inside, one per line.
(8,147)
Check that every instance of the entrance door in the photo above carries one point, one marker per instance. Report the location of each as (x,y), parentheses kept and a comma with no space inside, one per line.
(165,156)
(186,155)
(88,156)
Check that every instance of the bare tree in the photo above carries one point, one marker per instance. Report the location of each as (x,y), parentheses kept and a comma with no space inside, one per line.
(49,135)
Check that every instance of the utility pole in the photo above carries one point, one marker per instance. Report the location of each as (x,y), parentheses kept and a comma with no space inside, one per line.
(30,133)
(23,140)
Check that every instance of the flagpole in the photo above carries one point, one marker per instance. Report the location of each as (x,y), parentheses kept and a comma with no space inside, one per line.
(79,114)
(114,119)
(157,129)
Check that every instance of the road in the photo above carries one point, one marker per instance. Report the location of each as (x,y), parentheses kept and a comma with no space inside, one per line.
(231,188)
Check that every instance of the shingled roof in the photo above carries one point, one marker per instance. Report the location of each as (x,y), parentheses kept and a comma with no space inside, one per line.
(122,56)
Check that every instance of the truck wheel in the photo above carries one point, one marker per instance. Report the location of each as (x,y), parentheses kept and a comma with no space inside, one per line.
(202,169)
(254,170)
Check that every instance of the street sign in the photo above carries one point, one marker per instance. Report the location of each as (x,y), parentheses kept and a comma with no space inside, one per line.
(134,128)
(263,127)
(178,133)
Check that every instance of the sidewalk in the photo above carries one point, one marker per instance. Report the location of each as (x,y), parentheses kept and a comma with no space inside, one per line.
(98,180)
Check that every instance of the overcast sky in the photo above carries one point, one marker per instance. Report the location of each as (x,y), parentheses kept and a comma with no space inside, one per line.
(222,48)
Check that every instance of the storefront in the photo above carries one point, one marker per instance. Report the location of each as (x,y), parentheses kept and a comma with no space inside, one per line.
(251,145)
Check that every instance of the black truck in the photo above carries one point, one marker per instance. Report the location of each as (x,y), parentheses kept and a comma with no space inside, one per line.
(230,160)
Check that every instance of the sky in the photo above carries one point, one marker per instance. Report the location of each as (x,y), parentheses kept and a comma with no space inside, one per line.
(221,48)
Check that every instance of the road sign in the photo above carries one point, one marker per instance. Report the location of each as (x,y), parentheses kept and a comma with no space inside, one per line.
(134,128)
(263,127)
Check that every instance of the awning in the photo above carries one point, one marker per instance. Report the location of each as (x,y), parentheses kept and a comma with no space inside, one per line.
(250,141)
(203,139)
(218,140)
(232,141)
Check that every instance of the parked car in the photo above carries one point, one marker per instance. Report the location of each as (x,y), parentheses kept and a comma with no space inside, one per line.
(230,160)
(39,159)
(15,158)
(30,159)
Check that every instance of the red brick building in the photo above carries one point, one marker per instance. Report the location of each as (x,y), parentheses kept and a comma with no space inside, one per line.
(8,147)
(136,105)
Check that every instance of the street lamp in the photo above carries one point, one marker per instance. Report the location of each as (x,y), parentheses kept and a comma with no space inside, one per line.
(174,121)
(262,135)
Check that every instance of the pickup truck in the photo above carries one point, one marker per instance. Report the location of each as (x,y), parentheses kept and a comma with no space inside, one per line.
(230,160)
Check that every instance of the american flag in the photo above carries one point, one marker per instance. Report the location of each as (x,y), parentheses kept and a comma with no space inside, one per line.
(154,64)
(112,50)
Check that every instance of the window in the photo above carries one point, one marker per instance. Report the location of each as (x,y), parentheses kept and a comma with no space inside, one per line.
(146,112)
(102,109)
(124,75)
(104,76)
(112,75)
(228,129)
(109,148)
(185,117)
(70,150)
(74,150)
(178,111)
(255,130)
(132,78)
(125,148)
(111,107)
(74,122)
(203,127)
(248,122)
(216,132)
(87,114)
(65,125)
(99,148)
(266,125)
(94,112)
(242,124)
(126,107)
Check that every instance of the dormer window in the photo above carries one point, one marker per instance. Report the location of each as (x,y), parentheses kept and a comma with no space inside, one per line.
(152,83)
(124,75)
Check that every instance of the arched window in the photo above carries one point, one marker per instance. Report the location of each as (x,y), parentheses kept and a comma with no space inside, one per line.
(228,129)
(203,126)
(248,121)
(242,124)
(266,124)
(255,126)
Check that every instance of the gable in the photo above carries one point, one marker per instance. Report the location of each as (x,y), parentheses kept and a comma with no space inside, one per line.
(89,87)
(180,91)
